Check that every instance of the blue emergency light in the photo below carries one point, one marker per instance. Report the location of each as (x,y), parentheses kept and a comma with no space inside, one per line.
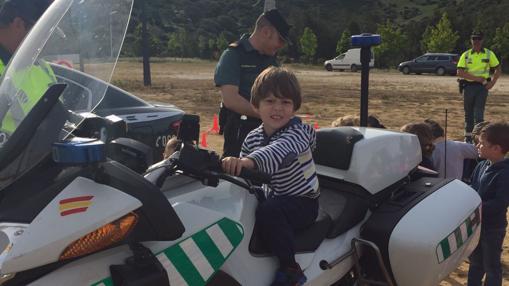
(79,151)
(366,40)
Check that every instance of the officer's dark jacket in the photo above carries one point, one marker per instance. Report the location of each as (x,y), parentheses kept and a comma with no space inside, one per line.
(240,64)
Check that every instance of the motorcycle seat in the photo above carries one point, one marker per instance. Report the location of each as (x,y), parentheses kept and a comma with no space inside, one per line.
(306,240)
(344,208)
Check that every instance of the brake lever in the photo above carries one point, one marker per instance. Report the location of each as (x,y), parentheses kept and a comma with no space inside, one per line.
(158,172)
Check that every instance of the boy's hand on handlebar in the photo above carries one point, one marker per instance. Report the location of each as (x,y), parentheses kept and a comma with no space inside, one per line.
(233,165)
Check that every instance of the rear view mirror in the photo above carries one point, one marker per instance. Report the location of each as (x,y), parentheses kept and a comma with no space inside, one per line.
(189,129)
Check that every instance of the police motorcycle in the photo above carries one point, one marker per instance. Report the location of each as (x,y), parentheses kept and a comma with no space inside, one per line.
(69,215)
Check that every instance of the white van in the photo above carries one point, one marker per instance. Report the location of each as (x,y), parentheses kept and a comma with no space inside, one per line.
(351,60)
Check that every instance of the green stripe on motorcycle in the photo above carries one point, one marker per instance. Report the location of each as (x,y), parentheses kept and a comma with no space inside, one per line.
(194,260)
(105,282)
(458,237)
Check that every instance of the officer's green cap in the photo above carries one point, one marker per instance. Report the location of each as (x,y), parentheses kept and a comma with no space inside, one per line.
(275,18)
(28,10)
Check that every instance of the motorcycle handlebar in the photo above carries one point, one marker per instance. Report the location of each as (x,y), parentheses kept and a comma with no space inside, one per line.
(255,176)
(203,163)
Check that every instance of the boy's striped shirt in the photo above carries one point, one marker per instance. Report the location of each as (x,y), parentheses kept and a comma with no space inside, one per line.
(287,156)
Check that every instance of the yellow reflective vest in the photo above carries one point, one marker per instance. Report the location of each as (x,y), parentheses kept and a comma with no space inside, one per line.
(31,84)
(2,67)
(478,64)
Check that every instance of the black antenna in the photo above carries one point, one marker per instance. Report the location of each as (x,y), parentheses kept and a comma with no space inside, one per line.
(445,145)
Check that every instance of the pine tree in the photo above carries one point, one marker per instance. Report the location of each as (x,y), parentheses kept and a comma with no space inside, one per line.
(390,52)
(308,44)
(344,42)
(440,38)
(501,43)
(221,42)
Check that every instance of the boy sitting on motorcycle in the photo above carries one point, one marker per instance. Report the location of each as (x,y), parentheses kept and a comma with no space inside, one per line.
(282,147)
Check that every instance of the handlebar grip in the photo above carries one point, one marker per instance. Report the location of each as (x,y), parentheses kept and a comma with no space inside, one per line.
(255,176)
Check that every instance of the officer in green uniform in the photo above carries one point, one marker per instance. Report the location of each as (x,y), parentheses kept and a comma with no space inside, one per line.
(16,19)
(236,71)
(475,67)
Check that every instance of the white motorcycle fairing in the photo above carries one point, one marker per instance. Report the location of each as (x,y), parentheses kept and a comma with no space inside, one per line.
(94,269)
(237,204)
(82,207)
(200,208)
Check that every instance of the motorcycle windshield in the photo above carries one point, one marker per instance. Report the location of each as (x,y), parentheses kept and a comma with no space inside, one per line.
(84,35)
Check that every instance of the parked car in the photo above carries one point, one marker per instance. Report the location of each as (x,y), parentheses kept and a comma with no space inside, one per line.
(350,60)
(151,124)
(438,63)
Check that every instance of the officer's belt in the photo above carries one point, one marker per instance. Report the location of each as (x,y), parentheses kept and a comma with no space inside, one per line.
(472,83)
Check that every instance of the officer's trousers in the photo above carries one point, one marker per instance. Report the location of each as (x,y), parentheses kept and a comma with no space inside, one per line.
(474,102)
(235,131)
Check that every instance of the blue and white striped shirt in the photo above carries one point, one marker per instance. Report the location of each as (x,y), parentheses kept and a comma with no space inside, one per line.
(287,156)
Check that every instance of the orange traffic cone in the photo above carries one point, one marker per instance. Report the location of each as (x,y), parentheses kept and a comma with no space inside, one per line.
(203,140)
(316,127)
(215,125)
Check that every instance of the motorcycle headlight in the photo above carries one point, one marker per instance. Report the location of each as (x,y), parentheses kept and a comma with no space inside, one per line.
(102,237)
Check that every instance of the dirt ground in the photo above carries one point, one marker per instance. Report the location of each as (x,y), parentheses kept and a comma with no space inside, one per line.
(395,98)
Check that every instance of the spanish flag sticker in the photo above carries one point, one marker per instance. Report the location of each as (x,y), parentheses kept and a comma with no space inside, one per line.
(75,205)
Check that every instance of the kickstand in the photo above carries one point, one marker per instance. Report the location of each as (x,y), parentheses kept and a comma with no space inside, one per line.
(364,281)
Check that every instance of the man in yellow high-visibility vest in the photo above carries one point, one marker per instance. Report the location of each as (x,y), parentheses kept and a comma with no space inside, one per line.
(16,19)
(475,67)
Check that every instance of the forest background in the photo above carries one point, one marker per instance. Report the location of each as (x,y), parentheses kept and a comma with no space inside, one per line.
(321,29)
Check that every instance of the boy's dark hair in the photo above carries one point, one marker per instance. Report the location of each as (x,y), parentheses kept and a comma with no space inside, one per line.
(278,81)
(497,133)
(423,132)
(374,122)
(28,10)
(436,130)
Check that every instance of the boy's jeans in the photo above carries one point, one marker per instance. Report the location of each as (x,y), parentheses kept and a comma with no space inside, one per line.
(474,102)
(279,218)
(486,259)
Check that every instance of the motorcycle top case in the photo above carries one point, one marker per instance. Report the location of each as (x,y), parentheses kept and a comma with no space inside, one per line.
(424,232)
(371,158)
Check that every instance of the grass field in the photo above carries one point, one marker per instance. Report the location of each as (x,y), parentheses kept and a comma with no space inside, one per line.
(395,98)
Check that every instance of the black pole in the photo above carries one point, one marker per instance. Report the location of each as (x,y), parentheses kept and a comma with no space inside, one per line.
(145,46)
(365,42)
(365,59)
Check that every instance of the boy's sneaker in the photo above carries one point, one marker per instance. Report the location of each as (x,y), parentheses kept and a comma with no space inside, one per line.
(289,277)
